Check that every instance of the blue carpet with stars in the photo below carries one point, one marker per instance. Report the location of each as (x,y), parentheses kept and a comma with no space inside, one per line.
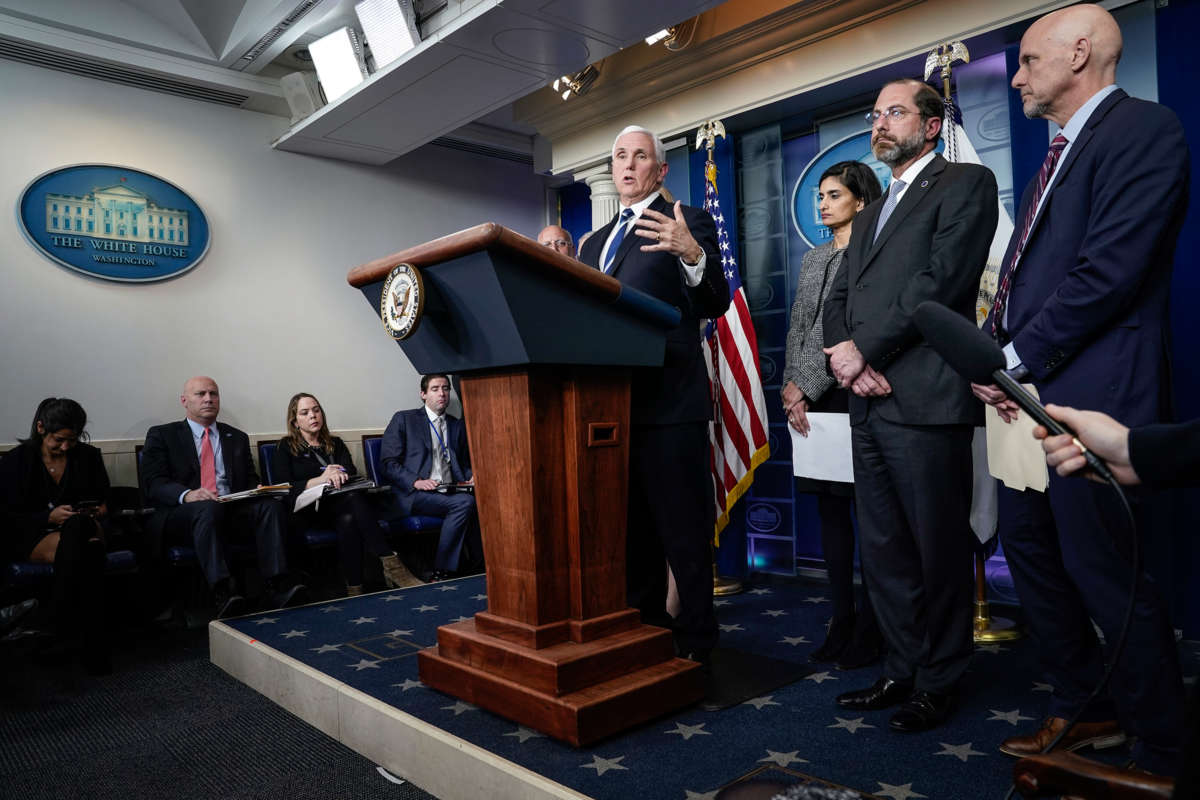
(370,643)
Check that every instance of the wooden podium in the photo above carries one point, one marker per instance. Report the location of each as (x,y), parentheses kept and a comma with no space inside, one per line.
(544,344)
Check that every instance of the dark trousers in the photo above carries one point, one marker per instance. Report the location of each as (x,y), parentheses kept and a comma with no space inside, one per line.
(208,526)
(671,522)
(837,546)
(78,594)
(912,487)
(1069,554)
(460,525)
(357,530)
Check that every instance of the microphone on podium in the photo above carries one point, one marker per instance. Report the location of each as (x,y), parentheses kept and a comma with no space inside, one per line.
(972,354)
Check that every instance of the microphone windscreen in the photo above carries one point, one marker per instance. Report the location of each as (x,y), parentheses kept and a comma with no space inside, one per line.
(969,351)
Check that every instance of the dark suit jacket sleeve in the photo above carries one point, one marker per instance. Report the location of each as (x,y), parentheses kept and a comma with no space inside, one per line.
(833,318)
(965,227)
(341,456)
(391,454)
(462,452)
(18,488)
(1138,181)
(710,297)
(1166,455)
(243,463)
(159,480)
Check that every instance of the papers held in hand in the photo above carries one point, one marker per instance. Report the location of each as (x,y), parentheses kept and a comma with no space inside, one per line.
(261,491)
(451,488)
(314,493)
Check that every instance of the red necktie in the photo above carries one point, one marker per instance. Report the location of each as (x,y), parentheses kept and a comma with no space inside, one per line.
(1043,177)
(208,464)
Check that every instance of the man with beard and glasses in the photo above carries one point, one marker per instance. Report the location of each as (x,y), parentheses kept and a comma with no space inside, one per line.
(911,415)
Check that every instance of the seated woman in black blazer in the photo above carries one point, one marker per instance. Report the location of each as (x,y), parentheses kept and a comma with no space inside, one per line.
(53,490)
(309,455)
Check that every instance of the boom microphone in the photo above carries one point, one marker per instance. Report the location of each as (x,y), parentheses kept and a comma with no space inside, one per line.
(972,354)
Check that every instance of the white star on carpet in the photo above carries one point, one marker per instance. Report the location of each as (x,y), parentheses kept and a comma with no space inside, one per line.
(821,677)
(733,626)
(901,792)
(690,795)
(759,702)
(524,734)
(327,648)
(603,765)
(392,597)
(851,725)
(447,588)
(266,621)
(462,619)
(816,599)
(364,664)
(764,590)
(775,612)
(994,649)
(960,751)
(783,759)
(793,640)
(424,608)
(479,597)
(688,731)
(363,620)
(722,602)
(399,632)
(1011,717)
(292,634)
(1041,687)
(409,683)
(330,609)
(459,707)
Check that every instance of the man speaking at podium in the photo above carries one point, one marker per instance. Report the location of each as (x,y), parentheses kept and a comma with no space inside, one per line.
(669,252)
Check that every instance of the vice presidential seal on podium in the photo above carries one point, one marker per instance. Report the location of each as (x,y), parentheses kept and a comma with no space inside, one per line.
(402,301)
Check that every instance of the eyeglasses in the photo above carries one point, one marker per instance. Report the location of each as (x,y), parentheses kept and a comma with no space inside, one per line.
(893,114)
(556,243)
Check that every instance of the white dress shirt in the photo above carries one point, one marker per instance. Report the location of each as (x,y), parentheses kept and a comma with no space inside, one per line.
(692,273)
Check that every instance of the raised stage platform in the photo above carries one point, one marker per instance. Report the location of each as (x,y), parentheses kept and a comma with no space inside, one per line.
(349,668)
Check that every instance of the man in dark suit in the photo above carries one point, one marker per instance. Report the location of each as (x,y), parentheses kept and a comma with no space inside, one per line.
(911,415)
(671,253)
(1082,313)
(186,466)
(423,448)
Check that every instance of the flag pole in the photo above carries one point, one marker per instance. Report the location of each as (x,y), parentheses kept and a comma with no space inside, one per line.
(706,137)
(987,628)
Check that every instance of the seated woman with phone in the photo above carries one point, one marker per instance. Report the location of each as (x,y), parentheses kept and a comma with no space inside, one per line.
(309,456)
(53,489)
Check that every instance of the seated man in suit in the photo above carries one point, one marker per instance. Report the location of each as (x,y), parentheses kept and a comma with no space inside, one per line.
(186,466)
(425,447)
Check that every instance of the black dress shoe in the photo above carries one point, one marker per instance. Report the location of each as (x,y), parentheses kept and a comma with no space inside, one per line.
(230,605)
(292,596)
(883,694)
(922,712)
(433,576)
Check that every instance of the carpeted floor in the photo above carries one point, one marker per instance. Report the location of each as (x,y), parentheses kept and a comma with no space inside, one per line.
(166,724)
(170,724)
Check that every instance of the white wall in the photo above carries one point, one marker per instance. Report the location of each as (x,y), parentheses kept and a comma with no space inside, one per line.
(268,311)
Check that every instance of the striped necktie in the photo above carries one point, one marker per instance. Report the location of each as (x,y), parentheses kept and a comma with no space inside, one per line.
(1043,177)
(622,226)
(889,205)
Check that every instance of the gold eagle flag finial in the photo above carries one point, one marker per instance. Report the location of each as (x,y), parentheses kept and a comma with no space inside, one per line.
(944,55)
(706,137)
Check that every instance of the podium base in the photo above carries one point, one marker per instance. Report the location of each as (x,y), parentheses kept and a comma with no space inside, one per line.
(576,692)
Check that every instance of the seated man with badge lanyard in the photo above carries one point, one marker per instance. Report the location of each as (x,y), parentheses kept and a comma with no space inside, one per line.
(422,449)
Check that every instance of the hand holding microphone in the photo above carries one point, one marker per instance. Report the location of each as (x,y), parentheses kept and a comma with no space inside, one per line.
(972,354)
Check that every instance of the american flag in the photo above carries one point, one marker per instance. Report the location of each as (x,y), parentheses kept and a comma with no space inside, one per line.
(738,433)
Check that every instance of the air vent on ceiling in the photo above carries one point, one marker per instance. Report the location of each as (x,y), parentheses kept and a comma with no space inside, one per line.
(101,70)
(267,40)
(484,150)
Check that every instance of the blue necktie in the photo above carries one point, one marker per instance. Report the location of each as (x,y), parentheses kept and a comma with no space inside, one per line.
(889,205)
(622,226)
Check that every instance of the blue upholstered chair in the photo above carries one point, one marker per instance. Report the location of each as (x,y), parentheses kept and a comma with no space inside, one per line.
(397,523)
